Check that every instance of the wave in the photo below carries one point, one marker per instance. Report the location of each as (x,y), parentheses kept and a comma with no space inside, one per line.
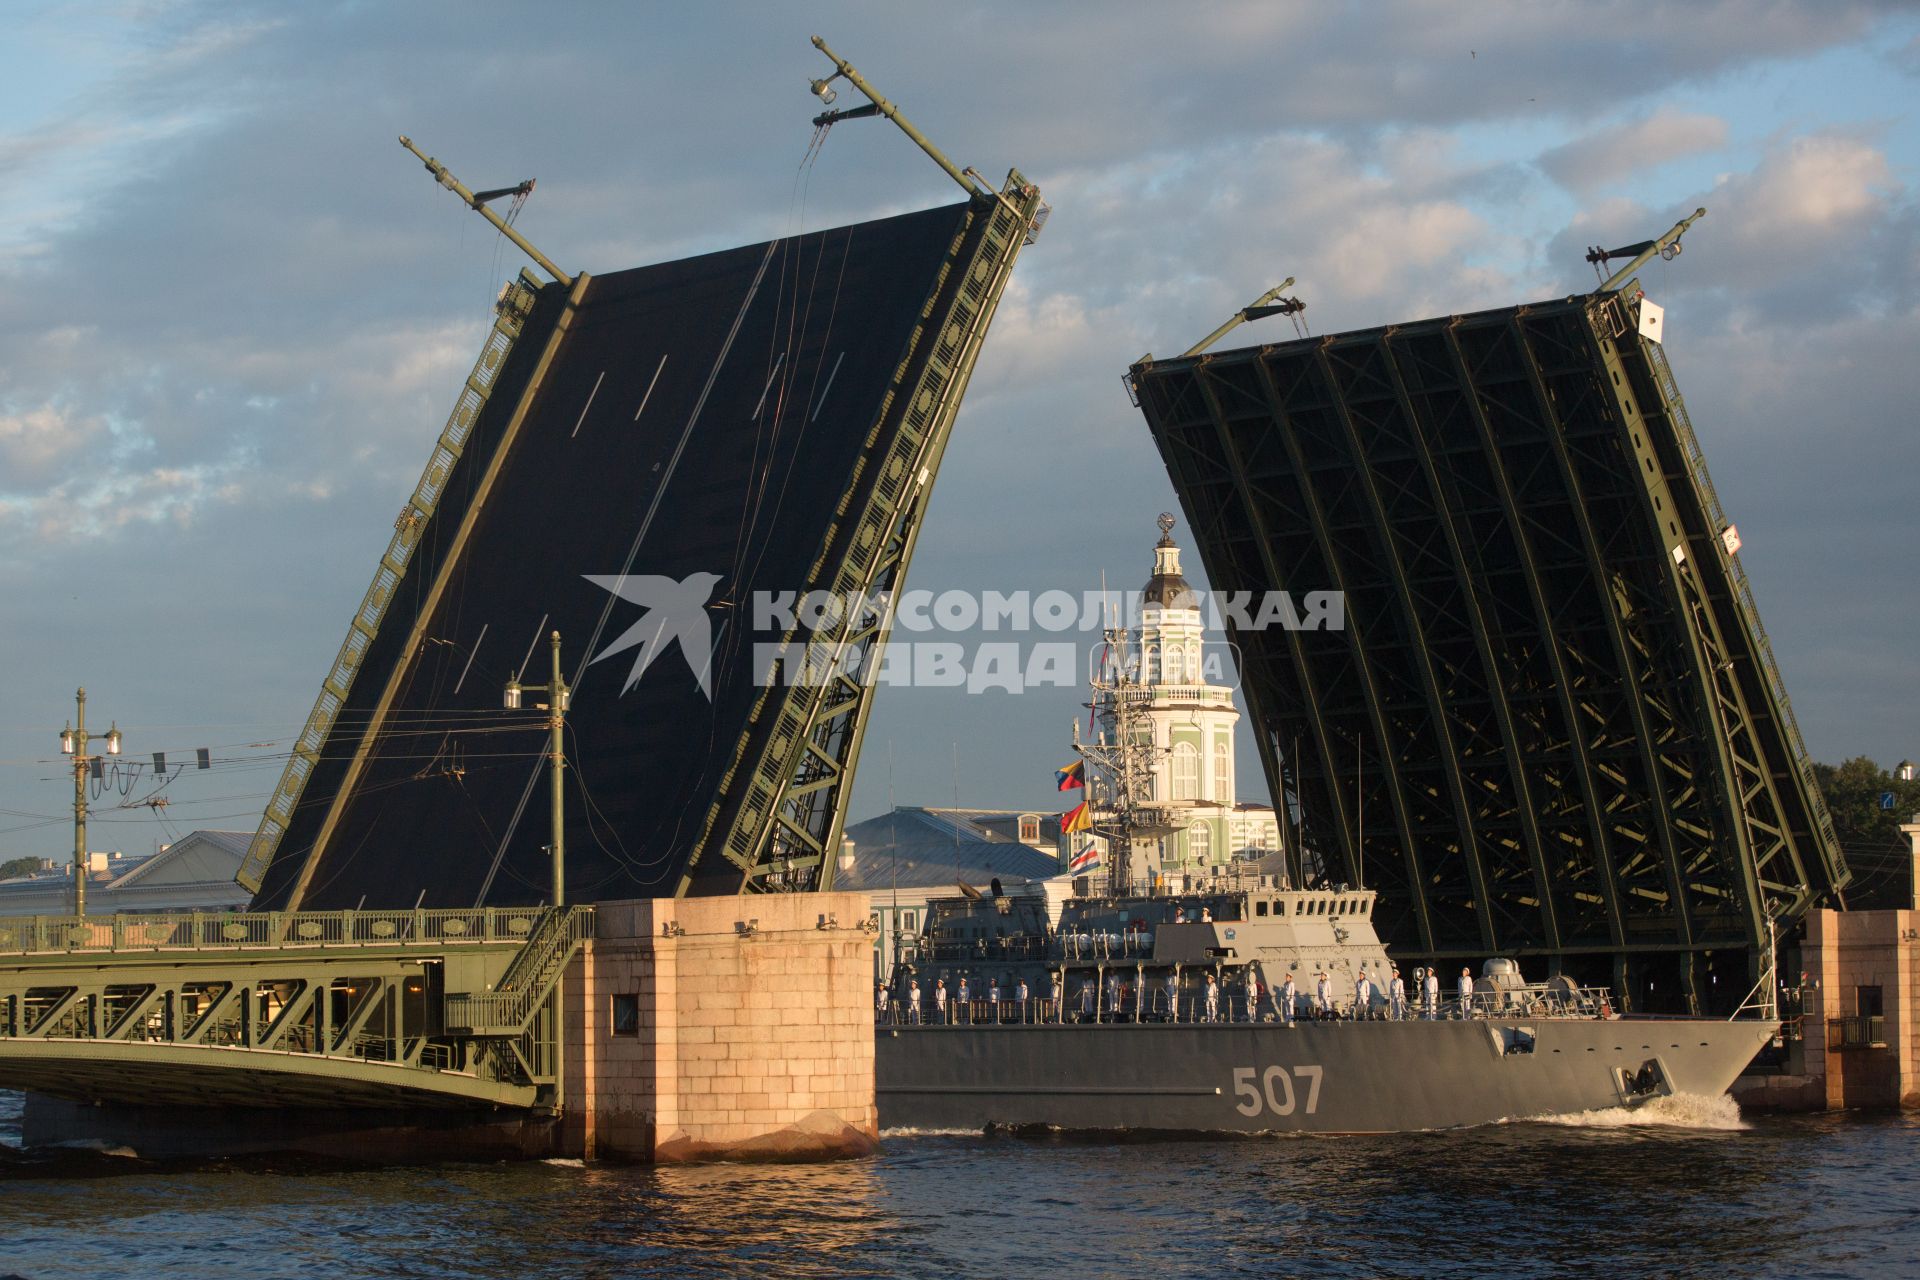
(565,1162)
(1675,1111)
(909,1131)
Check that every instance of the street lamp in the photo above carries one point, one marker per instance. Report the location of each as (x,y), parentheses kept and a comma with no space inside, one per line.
(73,742)
(557,696)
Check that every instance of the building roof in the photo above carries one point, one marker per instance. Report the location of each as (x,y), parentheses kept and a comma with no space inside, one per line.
(925,848)
(199,857)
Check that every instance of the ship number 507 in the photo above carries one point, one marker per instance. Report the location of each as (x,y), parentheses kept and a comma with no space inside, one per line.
(1273,1090)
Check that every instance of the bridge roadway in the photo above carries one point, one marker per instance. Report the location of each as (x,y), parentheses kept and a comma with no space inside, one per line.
(402,1010)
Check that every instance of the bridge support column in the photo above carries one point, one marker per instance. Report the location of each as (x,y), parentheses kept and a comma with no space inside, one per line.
(734,1027)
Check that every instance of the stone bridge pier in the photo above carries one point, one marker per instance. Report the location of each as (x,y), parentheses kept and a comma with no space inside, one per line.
(722,1028)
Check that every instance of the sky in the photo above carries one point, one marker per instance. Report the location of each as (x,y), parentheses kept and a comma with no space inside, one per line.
(234,314)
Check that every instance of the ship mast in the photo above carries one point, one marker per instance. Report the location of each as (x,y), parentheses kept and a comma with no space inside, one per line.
(1121,755)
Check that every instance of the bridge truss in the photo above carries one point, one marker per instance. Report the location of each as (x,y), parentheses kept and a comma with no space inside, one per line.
(1552,723)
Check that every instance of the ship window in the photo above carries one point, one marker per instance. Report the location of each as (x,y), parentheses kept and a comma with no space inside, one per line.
(1259,908)
(1186,772)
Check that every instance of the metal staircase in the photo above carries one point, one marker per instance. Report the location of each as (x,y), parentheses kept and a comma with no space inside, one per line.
(509,1009)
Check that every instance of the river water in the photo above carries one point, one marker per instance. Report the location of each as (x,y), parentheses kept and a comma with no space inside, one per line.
(1704,1192)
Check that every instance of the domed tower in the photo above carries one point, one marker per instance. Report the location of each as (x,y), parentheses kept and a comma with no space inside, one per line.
(1191,718)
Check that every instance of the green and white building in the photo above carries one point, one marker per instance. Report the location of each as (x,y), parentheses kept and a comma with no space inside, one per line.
(1188,721)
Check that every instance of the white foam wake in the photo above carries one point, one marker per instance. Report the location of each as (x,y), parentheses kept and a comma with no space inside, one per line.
(908,1131)
(1675,1111)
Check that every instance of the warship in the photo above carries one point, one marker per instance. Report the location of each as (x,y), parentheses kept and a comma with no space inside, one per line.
(1247,997)
(1167,1011)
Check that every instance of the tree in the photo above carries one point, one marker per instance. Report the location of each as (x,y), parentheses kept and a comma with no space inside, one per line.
(1870,837)
(18,867)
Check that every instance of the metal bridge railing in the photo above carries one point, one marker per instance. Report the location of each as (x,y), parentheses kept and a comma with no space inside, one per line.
(202,931)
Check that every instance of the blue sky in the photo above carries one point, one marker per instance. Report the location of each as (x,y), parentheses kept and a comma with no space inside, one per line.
(233,314)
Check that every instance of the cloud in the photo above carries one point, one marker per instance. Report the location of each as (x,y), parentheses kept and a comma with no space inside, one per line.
(33,442)
(233,314)
(1605,156)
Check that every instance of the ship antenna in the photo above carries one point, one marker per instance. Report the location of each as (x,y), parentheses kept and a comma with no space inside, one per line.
(478,203)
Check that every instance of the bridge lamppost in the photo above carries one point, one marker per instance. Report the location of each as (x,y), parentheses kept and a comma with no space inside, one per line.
(73,742)
(557,695)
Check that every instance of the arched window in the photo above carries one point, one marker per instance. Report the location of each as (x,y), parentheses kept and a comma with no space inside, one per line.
(1186,772)
(1200,843)
(1192,675)
(1222,773)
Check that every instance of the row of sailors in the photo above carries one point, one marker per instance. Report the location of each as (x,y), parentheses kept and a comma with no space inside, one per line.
(1287,1002)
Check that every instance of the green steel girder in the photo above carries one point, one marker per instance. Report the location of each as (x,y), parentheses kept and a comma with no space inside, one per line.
(1621,753)
(1422,655)
(344,1022)
(781,804)
(1523,541)
(1177,451)
(1495,691)
(1597,570)
(1281,580)
(1385,739)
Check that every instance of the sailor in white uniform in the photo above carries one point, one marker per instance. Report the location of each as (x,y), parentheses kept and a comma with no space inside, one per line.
(1466,993)
(1173,998)
(1362,997)
(880,1001)
(993,998)
(1020,998)
(913,1002)
(1286,999)
(964,1010)
(1397,993)
(940,1000)
(1322,993)
(1213,999)
(1433,994)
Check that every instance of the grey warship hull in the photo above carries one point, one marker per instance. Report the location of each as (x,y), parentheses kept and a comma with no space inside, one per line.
(1330,1077)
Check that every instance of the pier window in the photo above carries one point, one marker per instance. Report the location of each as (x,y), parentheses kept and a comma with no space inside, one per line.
(625,1019)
